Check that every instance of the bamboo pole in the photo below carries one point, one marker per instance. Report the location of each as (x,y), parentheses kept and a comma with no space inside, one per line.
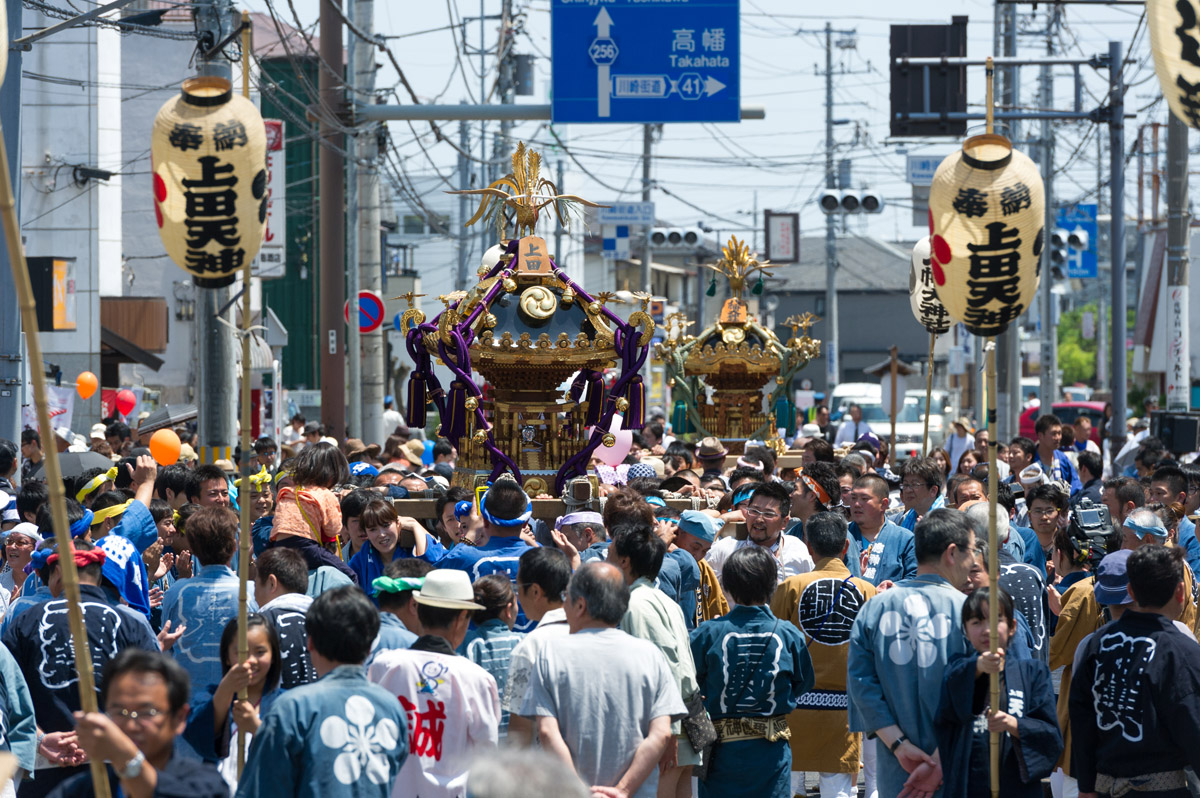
(892,368)
(993,555)
(993,544)
(58,504)
(246,494)
(928,397)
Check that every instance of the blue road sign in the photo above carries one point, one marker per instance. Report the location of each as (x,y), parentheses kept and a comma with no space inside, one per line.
(1081,263)
(645,61)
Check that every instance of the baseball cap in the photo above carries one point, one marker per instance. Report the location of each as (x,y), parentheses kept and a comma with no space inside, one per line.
(1112,581)
(699,525)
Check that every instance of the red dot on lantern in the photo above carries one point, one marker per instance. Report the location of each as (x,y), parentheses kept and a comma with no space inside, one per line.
(939,276)
(158,215)
(160,189)
(941,249)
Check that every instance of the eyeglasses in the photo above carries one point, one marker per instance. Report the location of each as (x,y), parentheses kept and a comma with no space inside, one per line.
(146,717)
(23,543)
(1043,511)
(913,485)
(754,512)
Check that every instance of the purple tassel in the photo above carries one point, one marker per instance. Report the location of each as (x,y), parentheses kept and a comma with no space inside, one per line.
(579,384)
(416,400)
(455,426)
(595,398)
(635,414)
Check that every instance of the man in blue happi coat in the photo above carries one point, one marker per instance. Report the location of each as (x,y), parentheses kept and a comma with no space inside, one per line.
(900,645)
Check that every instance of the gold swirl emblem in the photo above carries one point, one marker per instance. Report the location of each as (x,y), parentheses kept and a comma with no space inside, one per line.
(538,302)
(733,335)
(535,486)
(446,323)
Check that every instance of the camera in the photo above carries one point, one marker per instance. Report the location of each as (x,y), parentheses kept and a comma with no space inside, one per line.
(1091,531)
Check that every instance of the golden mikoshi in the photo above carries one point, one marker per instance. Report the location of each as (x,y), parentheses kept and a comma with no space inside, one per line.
(987,228)
(209,162)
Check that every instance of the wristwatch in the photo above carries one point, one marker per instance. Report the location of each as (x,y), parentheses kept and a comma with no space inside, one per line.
(133,768)
(895,743)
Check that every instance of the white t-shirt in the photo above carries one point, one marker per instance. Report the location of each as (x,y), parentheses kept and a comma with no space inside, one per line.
(453,710)
(790,552)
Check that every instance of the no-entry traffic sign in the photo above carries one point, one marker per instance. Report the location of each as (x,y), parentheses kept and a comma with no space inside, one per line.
(370,311)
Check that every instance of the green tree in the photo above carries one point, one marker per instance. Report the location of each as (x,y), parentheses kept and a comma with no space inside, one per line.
(1076,356)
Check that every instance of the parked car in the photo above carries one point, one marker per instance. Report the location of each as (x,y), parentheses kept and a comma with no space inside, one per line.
(1067,412)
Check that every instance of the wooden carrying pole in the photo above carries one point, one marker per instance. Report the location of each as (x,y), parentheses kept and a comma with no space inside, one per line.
(246,494)
(993,543)
(58,504)
(892,367)
(993,555)
(928,397)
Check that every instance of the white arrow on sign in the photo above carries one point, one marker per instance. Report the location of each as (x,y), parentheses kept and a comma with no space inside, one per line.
(603,23)
(712,86)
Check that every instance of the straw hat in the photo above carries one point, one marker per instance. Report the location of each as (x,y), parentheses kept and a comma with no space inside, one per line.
(449,588)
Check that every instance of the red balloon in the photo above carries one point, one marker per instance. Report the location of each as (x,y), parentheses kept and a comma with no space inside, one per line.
(126,401)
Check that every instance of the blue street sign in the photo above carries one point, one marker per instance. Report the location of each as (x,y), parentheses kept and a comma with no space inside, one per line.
(645,61)
(1081,263)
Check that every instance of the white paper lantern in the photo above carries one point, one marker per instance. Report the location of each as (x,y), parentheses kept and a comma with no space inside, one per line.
(4,41)
(922,295)
(1175,42)
(209,162)
(987,227)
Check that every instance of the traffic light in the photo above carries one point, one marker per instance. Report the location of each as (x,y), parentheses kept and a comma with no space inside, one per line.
(850,201)
(674,237)
(1059,241)
(1078,239)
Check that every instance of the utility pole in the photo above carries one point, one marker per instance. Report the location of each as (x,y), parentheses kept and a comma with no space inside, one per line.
(353,203)
(559,256)
(1116,154)
(1101,301)
(1008,344)
(504,76)
(370,429)
(464,180)
(832,370)
(1178,346)
(12,367)
(832,361)
(1049,353)
(648,248)
(217,423)
(332,222)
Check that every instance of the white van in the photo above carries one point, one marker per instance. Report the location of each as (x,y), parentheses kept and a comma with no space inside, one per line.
(846,393)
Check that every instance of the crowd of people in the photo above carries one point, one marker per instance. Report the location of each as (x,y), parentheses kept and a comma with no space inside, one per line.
(701,629)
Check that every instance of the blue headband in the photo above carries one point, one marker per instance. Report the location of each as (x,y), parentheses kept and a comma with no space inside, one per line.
(742,494)
(656,501)
(81,526)
(37,560)
(520,520)
(1158,531)
(462,510)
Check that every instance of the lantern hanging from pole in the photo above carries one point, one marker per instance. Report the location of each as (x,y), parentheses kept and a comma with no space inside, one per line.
(1175,42)
(209,162)
(987,227)
(929,310)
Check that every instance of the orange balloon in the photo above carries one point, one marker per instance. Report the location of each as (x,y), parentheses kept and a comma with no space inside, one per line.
(86,384)
(164,447)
